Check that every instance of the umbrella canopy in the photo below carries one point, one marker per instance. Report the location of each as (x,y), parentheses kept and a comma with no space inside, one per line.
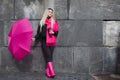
(19,38)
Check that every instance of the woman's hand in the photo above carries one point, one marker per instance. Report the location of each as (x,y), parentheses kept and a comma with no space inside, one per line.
(33,39)
(51,31)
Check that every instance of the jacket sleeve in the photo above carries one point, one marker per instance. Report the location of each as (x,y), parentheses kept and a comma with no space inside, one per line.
(55,33)
(57,29)
(37,34)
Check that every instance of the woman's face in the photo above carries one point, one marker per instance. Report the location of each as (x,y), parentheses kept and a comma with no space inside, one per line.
(50,13)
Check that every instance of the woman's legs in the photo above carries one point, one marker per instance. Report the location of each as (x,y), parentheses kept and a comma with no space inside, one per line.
(48,54)
(51,50)
(50,63)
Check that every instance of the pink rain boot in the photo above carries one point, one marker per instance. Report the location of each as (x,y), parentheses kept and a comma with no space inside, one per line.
(51,70)
(47,72)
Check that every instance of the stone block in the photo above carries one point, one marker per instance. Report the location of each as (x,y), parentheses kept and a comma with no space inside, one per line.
(85,77)
(73,33)
(110,59)
(96,59)
(33,9)
(88,59)
(7,61)
(1,33)
(96,68)
(6,9)
(94,9)
(35,61)
(118,55)
(0,57)
(38,61)
(7,25)
(80,33)
(61,9)
(111,33)
(81,60)
(63,59)
(66,27)
(35,24)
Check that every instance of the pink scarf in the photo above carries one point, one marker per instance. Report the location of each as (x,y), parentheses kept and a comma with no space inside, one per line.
(51,39)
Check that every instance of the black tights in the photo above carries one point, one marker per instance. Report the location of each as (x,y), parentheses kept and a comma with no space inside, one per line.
(48,52)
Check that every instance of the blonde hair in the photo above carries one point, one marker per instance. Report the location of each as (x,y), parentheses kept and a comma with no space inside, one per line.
(45,15)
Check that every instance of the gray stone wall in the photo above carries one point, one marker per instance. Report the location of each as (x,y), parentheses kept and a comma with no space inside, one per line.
(87,40)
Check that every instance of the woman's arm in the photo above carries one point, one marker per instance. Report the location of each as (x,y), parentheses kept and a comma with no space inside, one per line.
(57,29)
(37,34)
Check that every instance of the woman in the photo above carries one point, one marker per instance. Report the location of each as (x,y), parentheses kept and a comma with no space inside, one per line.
(47,33)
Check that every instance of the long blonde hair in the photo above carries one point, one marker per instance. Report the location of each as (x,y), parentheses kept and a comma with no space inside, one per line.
(45,15)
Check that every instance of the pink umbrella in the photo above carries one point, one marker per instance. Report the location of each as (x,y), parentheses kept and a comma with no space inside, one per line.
(19,38)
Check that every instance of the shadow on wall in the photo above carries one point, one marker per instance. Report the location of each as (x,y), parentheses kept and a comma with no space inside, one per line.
(28,2)
(118,56)
(25,64)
